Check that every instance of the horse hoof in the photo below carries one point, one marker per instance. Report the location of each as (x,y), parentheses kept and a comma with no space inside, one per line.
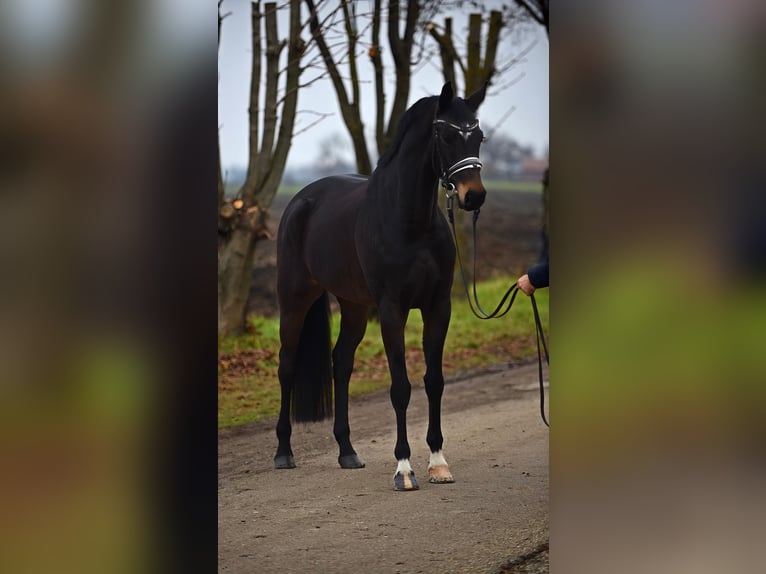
(350,461)
(403,482)
(284,461)
(440,474)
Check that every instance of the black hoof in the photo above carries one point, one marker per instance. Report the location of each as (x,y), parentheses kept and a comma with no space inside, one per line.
(404,482)
(350,461)
(284,461)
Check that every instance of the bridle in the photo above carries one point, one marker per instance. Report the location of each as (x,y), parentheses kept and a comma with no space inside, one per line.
(446,175)
(445,179)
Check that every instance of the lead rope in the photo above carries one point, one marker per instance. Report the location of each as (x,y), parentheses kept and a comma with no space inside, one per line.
(512,291)
(540,336)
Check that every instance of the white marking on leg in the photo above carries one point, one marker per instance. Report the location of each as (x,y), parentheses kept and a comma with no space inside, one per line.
(436,459)
(403,467)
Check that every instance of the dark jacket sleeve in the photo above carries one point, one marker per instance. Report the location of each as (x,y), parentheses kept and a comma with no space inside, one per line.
(538,274)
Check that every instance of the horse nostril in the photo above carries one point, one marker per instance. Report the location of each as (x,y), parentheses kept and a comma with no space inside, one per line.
(474,199)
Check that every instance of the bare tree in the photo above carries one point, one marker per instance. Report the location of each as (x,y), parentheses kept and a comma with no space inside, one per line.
(476,70)
(537,10)
(401,44)
(242,221)
(220,176)
(349,103)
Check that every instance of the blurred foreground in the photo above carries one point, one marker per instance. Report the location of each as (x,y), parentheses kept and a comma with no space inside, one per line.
(106,121)
(658,314)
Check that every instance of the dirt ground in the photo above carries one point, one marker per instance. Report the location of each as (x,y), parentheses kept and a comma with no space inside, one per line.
(509,234)
(320,518)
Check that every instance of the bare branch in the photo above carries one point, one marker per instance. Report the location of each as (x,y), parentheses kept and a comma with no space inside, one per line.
(332,68)
(377,64)
(518,58)
(322,116)
(537,10)
(252,177)
(507,84)
(287,122)
(491,130)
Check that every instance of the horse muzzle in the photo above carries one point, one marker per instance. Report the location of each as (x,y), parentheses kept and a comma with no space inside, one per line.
(473,199)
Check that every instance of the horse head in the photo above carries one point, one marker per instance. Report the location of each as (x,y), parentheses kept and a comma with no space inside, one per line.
(458,138)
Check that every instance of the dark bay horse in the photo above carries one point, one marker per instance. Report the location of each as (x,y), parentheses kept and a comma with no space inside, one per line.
(378,241)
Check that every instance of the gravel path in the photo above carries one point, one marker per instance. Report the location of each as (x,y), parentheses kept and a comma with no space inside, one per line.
(320,518)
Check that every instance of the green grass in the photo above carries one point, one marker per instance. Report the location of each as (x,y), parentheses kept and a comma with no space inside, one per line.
(291,189)
(513,185)
(249,390)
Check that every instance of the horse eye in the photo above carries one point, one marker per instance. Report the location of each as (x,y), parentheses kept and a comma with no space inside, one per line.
(451,135)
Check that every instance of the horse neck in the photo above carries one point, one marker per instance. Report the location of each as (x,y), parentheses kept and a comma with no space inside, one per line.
(408,191)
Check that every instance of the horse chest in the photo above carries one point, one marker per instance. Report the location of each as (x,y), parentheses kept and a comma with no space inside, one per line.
(422,279)
(411,276)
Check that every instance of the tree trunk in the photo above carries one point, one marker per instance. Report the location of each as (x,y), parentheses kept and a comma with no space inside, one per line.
(242,223)
(221,190)
(446,50)
(401,50)
(376,56)
(349,106)
(235,262)
(475,71)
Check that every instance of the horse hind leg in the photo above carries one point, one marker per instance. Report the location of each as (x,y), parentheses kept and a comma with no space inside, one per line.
(290,325)
(352,327)
(291,322)
(296,295)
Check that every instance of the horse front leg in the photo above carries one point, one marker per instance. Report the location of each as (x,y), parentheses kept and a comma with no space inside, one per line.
(435,324)
(392,321)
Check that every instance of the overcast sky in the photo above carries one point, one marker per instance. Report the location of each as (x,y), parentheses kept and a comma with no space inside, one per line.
(528,123)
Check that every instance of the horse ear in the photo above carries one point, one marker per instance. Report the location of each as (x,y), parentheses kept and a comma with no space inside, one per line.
(476,98)
(445,99)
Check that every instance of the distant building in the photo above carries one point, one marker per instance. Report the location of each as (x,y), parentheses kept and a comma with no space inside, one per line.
(532,169)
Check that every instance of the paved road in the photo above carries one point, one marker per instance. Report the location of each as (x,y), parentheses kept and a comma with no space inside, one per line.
(320,518)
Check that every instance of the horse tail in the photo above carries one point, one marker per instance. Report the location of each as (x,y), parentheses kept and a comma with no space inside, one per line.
(312,388)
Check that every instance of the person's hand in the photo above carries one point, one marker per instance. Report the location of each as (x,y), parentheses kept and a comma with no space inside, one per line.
(525,285)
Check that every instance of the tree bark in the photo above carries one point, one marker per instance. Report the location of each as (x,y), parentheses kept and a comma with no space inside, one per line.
(349,108)
(272,179)
(475,71)
(254,114)
(376,56)
(273,50)
(221,191)
(473,56)
(243,223)
(446,50)
(490,54)
(401,50)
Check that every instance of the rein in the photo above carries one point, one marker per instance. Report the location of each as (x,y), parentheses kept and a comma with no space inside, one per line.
(445,179)
(498,312)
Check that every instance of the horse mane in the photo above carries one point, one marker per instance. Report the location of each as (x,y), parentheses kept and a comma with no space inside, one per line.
(415,112)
